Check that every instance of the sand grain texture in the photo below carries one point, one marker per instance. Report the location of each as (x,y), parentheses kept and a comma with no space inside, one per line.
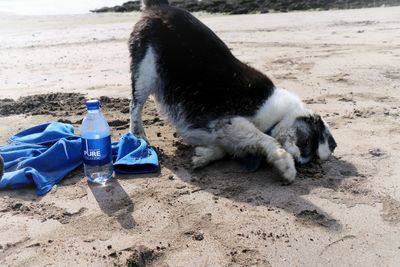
(343,212)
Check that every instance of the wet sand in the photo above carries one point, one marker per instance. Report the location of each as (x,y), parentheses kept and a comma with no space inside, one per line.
(343,212)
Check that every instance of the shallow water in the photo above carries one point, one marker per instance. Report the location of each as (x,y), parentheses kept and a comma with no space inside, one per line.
(54,7)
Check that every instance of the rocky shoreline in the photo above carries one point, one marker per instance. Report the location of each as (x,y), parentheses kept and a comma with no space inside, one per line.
(256,6)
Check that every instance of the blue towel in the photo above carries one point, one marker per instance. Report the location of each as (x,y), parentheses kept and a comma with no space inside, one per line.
(133,155)
(44,154)
(43,134)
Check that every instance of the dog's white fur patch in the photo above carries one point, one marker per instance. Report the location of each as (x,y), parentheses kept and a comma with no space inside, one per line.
(276,107)
(142,5)
(323,148)
(239,137)
(282,107)
(285,165)
(147,81)
(147,77)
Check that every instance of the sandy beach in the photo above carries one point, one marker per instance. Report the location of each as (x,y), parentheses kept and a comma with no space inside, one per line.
(342,212)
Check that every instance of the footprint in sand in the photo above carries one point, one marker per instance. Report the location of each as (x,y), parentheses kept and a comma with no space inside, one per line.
(340,78)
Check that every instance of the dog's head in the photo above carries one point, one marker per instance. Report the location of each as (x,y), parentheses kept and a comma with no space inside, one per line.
(306,136)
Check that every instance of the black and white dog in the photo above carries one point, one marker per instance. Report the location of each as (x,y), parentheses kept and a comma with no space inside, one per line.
(217,103)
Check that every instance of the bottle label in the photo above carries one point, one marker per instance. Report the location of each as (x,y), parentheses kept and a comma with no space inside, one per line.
(97,152)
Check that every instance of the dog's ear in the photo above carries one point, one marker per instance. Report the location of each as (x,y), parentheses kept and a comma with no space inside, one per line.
(327,133)
(320,127)
(326,140)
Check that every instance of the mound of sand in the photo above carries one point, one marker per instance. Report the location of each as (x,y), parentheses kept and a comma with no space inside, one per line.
(345,211)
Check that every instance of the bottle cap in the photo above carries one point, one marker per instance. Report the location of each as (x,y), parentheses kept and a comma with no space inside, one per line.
(92,104)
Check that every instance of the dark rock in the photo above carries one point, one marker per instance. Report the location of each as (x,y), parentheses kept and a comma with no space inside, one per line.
(16,206)
(198,236)
(376,152)
(126,7)
(113,254)
(255,6)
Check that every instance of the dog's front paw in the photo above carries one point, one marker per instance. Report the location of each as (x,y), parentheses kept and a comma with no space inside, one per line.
(142,136)
(198,162)
(284,162)
(138,132)
(201,157)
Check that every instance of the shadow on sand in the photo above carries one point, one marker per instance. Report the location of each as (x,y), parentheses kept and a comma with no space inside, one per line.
(115,202)
(112,198)
(226,179)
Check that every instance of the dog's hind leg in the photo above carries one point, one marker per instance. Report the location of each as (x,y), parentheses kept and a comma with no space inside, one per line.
(145,80)
(136,109)
(239,137)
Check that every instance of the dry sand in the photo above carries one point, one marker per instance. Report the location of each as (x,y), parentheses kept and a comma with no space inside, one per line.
(343,212)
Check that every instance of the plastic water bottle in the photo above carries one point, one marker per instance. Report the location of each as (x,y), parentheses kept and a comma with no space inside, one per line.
(96,145)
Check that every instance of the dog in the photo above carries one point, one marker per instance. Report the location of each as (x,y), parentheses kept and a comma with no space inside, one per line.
(218,104)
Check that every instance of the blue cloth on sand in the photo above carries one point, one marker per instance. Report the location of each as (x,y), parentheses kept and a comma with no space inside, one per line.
(44,154)
(133,155)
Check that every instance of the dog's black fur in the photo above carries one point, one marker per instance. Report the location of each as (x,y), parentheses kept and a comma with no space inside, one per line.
(216,102)
(203,87)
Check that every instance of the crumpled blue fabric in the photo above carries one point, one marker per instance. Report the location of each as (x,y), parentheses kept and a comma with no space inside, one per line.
(44,154)
(133,155)
(42,134)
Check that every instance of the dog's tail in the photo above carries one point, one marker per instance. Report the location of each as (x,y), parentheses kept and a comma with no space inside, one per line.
(150,3)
